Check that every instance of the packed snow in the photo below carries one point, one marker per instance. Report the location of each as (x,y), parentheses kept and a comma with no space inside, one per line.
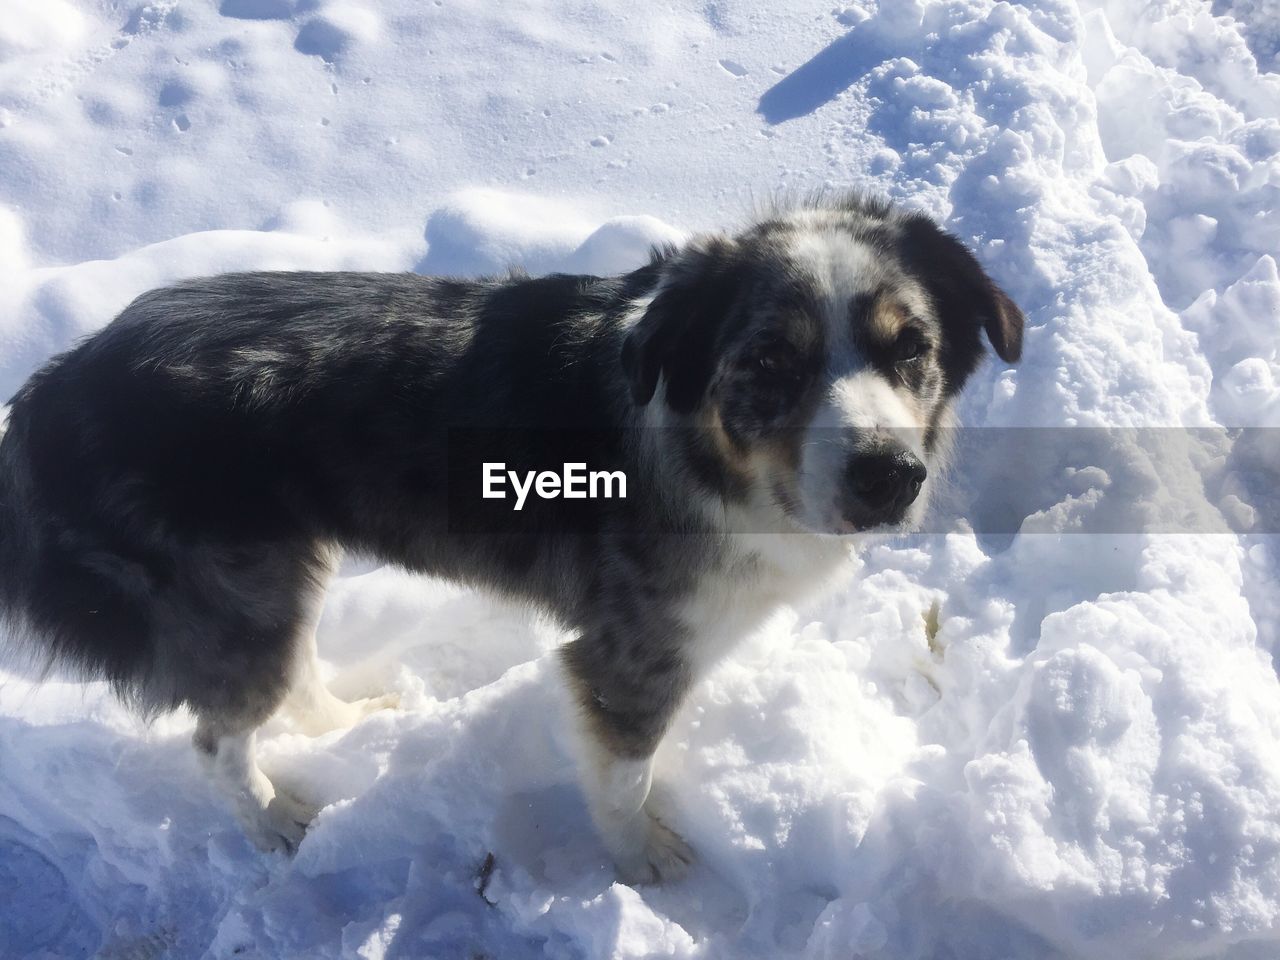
(1049,729)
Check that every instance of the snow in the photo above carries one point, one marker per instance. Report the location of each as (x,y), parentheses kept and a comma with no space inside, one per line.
(1063,742)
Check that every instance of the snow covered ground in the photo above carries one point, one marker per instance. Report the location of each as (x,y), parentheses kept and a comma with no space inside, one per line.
(1077,756)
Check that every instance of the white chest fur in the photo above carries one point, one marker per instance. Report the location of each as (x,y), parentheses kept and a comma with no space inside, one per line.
(760,573)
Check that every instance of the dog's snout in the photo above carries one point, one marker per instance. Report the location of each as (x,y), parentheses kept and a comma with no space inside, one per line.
(880,478)
(883,485)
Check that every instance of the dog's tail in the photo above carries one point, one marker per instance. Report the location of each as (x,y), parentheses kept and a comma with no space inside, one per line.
(10,629)
(63,607)
(17,650)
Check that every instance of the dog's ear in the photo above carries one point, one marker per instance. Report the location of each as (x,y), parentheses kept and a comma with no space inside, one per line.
(676,336)
(961,287)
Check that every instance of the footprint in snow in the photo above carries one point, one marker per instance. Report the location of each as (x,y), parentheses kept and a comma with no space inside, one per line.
(322,38)
(257,9)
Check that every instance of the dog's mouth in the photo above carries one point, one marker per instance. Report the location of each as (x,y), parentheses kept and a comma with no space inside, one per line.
(847,527)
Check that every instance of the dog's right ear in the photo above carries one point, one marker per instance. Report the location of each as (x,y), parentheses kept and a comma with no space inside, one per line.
(676,336)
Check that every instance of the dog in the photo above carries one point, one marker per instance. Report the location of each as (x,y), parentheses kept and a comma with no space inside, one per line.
(176,490)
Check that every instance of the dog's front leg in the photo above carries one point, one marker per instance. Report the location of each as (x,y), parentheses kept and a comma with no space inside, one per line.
(642,846)
(626,698)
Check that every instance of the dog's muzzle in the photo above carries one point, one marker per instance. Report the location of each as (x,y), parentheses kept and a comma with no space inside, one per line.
(880,486)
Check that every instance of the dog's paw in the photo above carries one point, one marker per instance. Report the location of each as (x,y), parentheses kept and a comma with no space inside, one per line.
(663,857)
(281,825)
(388,701)
(316,711)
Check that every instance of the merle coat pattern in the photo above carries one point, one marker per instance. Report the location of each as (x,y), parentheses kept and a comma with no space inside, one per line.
(176,489)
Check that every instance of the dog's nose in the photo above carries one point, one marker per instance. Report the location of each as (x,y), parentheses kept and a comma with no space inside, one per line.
(884,484)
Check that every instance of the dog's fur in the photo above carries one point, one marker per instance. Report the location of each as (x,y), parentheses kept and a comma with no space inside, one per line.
(175,490)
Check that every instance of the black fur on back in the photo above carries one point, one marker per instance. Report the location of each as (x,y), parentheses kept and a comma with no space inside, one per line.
(170,483)
(174,489)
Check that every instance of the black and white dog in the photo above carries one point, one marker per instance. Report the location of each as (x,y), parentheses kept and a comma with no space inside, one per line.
(175,491)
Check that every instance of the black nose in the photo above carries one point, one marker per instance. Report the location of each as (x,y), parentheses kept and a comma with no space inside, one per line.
(885,484)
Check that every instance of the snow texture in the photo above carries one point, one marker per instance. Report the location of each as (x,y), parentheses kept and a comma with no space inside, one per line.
(1040,745)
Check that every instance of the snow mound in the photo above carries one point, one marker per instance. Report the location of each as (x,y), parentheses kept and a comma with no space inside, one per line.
(488,231)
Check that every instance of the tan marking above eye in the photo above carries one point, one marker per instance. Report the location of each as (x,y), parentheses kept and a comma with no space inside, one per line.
(887,319)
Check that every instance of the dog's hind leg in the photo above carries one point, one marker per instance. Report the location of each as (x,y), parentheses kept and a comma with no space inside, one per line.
(625,704)
(272,820)
(314,709)
(310,704)
(233,621)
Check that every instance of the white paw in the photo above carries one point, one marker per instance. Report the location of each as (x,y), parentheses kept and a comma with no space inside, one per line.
(388,701)
(281,825)
(317,711)
(662,857)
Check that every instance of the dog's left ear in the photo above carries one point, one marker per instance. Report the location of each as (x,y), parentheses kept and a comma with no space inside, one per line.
(676,336)
(961,286)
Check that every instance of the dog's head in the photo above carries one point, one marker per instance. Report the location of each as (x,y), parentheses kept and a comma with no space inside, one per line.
(816,356)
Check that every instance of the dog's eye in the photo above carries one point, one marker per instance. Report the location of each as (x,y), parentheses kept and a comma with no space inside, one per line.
(771,356)
(909,346)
